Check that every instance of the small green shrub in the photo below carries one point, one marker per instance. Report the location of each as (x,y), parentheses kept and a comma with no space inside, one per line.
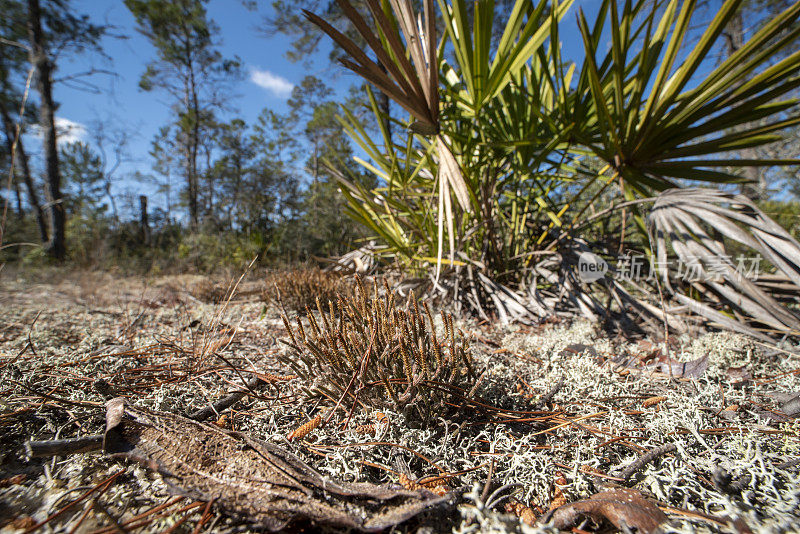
(21,241)
(208,252)
(785,213)
(87,240)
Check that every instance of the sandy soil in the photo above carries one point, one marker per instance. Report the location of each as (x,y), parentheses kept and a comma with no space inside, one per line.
(163,344)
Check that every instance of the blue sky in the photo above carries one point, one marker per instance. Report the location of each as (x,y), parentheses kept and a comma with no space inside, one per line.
(268,75)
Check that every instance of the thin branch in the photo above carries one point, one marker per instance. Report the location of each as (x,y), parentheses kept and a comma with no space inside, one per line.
(14,43)
(547,397)
(90,72)
(63,447)
(645,459)
(252,385)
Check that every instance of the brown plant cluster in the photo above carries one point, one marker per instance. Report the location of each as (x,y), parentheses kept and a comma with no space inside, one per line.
(368,350)
(298,289)
(208,290)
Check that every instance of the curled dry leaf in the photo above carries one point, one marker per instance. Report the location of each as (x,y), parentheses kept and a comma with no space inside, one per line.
(223,421)
(559,499)
(657,360)
(251,479)
(739,376)
(525,513)
(792,406)
(729,412)
(625,508)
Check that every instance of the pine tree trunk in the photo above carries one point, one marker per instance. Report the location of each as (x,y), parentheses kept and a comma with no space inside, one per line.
(56,244)
(384,107)
(755,188)
(193,148)
(24,170)
(144,221)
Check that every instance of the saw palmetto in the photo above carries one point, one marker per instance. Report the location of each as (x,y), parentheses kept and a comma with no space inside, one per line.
(530,146)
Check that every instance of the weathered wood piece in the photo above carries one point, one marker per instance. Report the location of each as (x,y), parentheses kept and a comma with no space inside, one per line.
(251,479)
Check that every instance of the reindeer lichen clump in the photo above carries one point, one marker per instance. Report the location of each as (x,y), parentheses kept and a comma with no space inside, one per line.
(367,350)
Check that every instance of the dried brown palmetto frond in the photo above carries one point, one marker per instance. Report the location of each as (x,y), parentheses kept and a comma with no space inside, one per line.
(407,71)
(250,479)
(367,349)
(412,81)
(685,221)
(298,289)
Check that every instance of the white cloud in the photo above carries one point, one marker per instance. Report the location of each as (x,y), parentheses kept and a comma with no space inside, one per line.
(273,83)
(67,131)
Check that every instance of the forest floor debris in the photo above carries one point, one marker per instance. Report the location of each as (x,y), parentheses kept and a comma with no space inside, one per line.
(583,427)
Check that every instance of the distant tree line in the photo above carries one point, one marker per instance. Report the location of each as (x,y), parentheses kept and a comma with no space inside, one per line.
(270,186)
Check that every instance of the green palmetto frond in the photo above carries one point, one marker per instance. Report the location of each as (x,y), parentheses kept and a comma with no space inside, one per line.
(676,131)
(511,80)
(407,71)
(524,144)
(401,211)
(523,36)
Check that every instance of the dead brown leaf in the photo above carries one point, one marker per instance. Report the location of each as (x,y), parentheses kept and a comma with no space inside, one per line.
(792,407)
(622,507)
(739,376)
(559,499)
(692,369)
(12,481)
(519,509)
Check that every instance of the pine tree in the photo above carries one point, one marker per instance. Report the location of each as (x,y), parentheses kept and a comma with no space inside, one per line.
(189,68)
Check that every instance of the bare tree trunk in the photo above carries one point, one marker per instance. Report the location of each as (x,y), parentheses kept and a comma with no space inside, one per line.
(144,221)
(755,188)
(384,107)
(56,244)
(107,191)
(209,214)
(169,203)
(24,170)
(194,146)
(18,196)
